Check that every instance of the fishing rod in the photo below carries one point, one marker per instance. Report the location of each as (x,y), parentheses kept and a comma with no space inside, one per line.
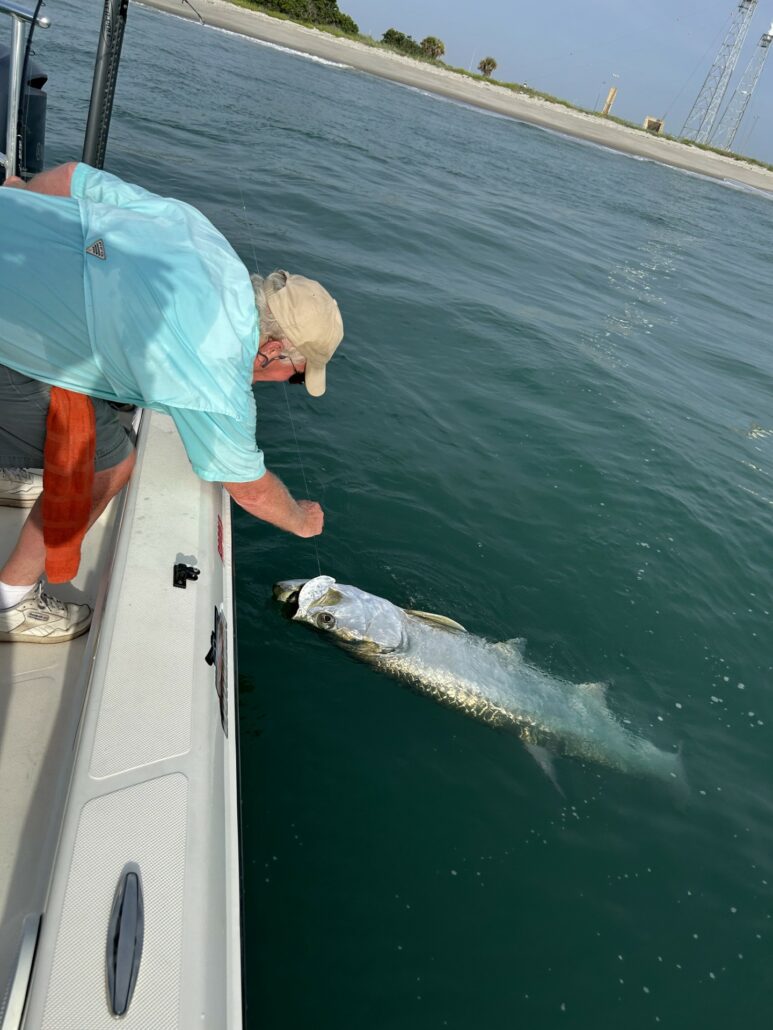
(105,77)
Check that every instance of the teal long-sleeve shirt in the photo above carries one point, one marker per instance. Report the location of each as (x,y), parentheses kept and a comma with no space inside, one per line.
(121,294)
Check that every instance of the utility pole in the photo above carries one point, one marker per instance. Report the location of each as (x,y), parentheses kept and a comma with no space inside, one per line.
(731,120)
(700,121)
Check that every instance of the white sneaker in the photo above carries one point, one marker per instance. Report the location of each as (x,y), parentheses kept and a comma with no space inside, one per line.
(19,488)
(42,619)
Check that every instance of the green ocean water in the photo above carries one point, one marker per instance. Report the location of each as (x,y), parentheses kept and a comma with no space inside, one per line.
(551,418)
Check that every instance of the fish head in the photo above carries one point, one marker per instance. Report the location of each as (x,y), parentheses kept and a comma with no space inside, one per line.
(287,590)
(368,624)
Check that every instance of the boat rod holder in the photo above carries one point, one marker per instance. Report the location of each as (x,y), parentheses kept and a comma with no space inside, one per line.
(105,77)
(20,17)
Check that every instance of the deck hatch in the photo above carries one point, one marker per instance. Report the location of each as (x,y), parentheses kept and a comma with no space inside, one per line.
(125,935)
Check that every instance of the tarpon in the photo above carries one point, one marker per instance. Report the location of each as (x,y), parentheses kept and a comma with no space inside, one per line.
(492,682)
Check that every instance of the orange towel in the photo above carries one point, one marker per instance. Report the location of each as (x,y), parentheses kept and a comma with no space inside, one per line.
(68,481)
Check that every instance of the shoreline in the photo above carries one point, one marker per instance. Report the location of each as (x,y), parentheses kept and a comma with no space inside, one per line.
(388,65)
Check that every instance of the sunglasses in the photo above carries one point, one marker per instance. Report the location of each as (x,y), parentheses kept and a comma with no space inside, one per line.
(296,378)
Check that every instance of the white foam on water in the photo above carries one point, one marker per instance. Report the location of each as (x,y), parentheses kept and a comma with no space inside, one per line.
(463,103)
(731,183)
(276,46)
(252,39)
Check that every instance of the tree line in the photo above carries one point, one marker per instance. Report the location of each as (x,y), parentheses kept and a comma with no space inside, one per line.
(318,12)
(430,46)
(326,12)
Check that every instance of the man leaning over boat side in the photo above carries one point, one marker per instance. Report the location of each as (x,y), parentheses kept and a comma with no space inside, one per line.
(111,294)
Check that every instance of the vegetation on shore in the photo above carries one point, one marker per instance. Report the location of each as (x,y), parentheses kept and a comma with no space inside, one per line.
(325,16)
(320,13)
(430,46)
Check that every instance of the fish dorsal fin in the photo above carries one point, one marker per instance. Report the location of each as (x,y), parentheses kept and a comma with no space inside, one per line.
(598,690)
(441,621)
(514,647)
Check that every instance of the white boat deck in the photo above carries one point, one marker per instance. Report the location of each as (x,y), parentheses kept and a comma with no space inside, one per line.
(42,690)
(112,752)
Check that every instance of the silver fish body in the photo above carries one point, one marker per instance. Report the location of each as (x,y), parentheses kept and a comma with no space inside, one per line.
(491,682)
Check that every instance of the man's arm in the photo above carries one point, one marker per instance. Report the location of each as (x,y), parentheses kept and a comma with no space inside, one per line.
(268,498)
(55,181)
(223,450)
(76,179)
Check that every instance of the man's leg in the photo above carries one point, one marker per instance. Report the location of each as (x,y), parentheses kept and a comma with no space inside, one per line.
(32,616)
(28,559)
(38,617)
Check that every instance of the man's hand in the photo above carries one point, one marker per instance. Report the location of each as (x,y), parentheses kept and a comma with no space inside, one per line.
(314,519)
(268,498)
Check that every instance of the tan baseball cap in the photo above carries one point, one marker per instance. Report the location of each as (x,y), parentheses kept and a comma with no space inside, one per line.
(312,322)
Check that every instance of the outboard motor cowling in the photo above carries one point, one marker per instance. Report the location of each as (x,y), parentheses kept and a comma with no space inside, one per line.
(33,116)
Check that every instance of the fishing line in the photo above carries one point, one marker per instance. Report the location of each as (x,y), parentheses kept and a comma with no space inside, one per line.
(284,384)
(303,472)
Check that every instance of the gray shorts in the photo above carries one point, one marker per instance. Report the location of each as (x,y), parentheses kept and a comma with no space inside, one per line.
(23,411)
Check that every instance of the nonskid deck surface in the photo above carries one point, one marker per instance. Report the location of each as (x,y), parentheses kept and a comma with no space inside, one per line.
(119,749)
(41,697)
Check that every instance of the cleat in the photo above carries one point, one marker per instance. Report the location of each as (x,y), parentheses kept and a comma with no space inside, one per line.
(42,619)
(19,488)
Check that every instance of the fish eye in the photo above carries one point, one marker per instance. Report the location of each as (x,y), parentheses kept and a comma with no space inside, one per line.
(325,620)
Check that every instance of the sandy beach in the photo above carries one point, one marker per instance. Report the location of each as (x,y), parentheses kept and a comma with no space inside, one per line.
(224,15)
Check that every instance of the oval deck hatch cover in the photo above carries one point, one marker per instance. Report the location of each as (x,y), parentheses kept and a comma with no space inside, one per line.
(124,939)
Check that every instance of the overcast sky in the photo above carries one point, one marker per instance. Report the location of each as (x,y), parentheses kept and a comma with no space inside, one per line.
(660,49)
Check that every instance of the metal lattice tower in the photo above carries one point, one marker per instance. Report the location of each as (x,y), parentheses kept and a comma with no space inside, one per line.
(730,122)
(701,119)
